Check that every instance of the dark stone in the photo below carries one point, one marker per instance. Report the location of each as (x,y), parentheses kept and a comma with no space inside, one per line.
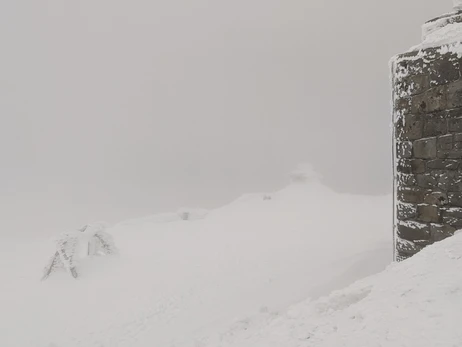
(454,113)
(453,217)
(444,70)
(404,149)
(432,100)
(412,195)
(455,199)
(423,243)
(426,181)
(455,183)
(458,141)
(454,94)
(413,85)
(435,127)
(425,148)
(440,232)
(413,231)
(403,105)
(455,124)
(409,127)
(450,154)
(445,142)
(441,164)
(444,180)
(406,180)
(450,146)
(406,211)
(436,198)
(411,166)
(407,248)
(428,213)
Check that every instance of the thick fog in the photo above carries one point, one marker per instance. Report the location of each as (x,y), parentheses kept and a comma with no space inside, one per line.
(115,109)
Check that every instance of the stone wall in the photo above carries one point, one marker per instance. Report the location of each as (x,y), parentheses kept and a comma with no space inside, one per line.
(427,117)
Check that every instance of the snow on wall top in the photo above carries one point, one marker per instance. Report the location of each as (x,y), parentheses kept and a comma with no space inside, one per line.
(448,34)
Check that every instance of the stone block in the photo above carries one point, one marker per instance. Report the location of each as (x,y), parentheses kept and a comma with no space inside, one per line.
(402,105)
(409,127)
(435,127)
(404,149)
(411,166)
(455,183)
(444,180)
(428,213)
(450,154)
(445,142)
(406,180)
(455,124)
(425,148)
(444,70)
(406,211)
(407,248)
(413,231)
(436,198)
(449,146)
(426,181)
(455,199)
(440,232)
(432,100)
(412,195)
(455,212)
(454,94)
(441,164)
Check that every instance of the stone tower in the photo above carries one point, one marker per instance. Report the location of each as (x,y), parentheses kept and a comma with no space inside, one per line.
(427,137)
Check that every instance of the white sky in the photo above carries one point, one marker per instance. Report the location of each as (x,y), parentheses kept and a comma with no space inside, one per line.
(115,109)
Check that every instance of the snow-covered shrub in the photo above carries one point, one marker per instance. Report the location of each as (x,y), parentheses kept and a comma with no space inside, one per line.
(90,240)
(304,173)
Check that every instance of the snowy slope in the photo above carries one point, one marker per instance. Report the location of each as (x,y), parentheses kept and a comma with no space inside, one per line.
(414,303)
(175,283)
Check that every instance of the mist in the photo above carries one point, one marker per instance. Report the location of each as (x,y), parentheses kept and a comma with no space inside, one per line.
(116,109)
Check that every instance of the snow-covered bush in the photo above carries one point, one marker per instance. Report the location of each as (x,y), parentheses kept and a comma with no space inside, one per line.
(90,240)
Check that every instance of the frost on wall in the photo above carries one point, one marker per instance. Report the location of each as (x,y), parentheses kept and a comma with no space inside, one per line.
(90,240)
(427,117)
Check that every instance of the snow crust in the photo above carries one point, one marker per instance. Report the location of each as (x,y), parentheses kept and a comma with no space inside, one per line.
(414,303)
(178,283)
(448,34)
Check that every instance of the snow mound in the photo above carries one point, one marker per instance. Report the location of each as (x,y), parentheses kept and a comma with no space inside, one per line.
(175,283)
(414,303)
(184,213)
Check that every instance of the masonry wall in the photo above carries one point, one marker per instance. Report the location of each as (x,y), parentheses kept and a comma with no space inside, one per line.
(427,117)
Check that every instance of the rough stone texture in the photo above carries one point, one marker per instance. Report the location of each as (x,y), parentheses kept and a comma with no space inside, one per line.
(436,199)
(427,117)
(425,148)
(428,213)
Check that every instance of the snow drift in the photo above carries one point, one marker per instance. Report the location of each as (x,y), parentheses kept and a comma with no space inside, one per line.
(176,282)
(414,303)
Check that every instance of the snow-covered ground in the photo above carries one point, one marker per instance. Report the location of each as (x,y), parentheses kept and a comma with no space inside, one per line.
(182,282)
(414,303)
